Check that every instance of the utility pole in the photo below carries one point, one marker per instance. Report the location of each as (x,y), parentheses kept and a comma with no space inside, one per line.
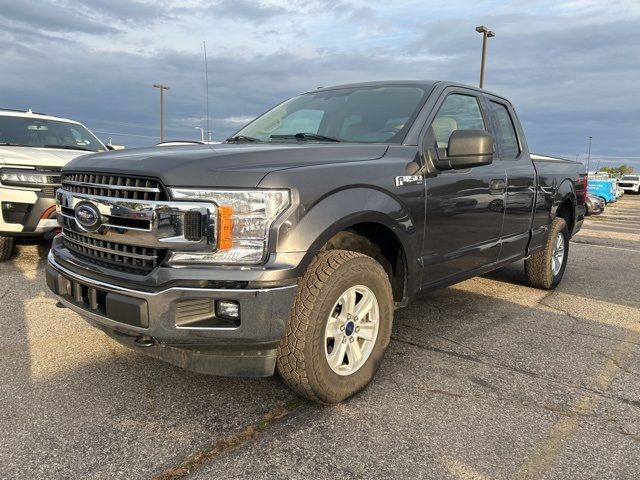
(486,33)
(162,89)
(589,155)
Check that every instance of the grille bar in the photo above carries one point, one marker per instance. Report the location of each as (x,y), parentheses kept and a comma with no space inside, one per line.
(127,257)
(114,186)
(112,251)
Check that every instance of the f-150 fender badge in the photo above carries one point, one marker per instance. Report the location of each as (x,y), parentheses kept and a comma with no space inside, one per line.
(405,180)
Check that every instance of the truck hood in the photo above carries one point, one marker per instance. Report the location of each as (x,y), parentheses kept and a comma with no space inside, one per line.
(37,157)
(223,165)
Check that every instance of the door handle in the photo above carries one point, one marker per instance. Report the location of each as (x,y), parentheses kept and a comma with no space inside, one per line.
(497,184)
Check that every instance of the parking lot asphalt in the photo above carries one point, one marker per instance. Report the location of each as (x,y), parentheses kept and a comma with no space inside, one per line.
(487,379)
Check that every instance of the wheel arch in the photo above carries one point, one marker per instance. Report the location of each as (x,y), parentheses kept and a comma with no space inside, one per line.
(564,204)
(365,220)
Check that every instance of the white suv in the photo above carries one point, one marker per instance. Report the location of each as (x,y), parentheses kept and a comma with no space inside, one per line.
(630,183)
(33,149)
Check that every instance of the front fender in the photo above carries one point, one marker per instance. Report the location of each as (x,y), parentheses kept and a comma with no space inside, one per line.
(312,227)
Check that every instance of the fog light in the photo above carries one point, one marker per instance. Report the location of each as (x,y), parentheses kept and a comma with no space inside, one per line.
(227,309)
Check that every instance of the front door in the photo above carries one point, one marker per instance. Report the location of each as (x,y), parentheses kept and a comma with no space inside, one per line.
(465,208)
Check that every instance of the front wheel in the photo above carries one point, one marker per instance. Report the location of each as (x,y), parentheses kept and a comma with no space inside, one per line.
(339,328)
(7,245)
(545,268)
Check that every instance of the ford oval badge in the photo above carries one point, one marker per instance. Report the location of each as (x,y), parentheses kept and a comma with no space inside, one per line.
(88,216)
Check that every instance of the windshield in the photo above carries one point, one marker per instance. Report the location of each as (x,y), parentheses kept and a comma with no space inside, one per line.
(35,132)
(631,178)
(364,114)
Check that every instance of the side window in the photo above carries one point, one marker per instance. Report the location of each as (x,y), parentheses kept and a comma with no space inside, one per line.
(458,112)
(507,139)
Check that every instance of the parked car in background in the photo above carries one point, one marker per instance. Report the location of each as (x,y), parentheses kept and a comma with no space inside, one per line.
(630,183)
(291,245)
(33,149)
(594,205)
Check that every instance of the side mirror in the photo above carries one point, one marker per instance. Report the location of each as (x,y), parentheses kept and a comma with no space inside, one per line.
(467,148)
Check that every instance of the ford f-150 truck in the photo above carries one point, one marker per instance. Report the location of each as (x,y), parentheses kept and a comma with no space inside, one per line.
(289,246)
(33,148)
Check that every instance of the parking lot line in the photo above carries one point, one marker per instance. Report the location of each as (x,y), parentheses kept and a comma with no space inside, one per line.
(544,458)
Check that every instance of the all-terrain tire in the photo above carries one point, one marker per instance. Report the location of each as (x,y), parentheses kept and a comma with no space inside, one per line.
(302,355)
(6,247)
(539,266)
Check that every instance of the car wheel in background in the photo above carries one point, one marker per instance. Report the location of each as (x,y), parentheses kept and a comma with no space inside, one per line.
(7,245)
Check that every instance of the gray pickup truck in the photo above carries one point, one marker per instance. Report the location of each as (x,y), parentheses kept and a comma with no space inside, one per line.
(289,246)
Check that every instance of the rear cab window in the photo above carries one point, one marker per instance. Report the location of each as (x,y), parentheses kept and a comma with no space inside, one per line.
(506,137)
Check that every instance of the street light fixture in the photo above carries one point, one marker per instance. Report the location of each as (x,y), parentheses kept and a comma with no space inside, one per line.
(162,89)
(486,33)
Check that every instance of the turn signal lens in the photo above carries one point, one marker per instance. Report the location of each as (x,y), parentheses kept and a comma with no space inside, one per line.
(225,227)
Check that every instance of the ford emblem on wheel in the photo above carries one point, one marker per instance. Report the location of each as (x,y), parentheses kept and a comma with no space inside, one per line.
(88,216)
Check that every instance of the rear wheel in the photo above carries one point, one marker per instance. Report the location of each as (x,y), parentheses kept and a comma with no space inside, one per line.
(545,268)
(339,328)
(7,245)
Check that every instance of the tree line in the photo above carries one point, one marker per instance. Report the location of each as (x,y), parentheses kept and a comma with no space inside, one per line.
(618,172)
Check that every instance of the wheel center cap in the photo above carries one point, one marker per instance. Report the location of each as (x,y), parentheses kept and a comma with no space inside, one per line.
(348,328)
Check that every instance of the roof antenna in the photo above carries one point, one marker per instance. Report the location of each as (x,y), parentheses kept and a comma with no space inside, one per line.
(206,79)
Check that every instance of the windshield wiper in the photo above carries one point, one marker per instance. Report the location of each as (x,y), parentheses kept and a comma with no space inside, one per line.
(242,138)
(68,147)
(11,144)
(308,136)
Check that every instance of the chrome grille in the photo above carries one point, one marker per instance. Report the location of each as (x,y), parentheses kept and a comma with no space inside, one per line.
(115,186)
(127,257)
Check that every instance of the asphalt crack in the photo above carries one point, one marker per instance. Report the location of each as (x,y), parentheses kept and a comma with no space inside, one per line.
(231,442)
(522,371)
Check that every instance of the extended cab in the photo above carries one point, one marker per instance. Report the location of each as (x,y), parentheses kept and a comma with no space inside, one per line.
(33,148)
(290,245)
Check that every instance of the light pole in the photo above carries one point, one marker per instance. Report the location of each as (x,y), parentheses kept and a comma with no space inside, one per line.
(162,89)
(201,133)
(589,155)
(486,33)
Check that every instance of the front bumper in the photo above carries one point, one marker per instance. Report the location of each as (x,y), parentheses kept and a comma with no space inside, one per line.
(152,321)
(26,212)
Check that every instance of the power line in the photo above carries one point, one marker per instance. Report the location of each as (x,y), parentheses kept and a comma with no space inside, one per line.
(124,134)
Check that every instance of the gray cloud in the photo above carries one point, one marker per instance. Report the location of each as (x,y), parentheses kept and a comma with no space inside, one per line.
(51,17)
(247,10)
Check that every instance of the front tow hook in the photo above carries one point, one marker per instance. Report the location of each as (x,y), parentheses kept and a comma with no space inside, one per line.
(144,341)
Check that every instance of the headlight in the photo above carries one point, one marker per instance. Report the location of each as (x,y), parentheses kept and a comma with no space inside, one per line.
(14,177)
(244,219)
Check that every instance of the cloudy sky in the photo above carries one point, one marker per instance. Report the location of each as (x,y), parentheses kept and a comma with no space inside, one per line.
(571,67)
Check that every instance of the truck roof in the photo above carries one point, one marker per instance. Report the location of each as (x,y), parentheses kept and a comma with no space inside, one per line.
(426,84)
(11,112)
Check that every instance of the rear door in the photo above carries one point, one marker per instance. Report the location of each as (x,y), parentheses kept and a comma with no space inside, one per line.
(513,155)
(464,207)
